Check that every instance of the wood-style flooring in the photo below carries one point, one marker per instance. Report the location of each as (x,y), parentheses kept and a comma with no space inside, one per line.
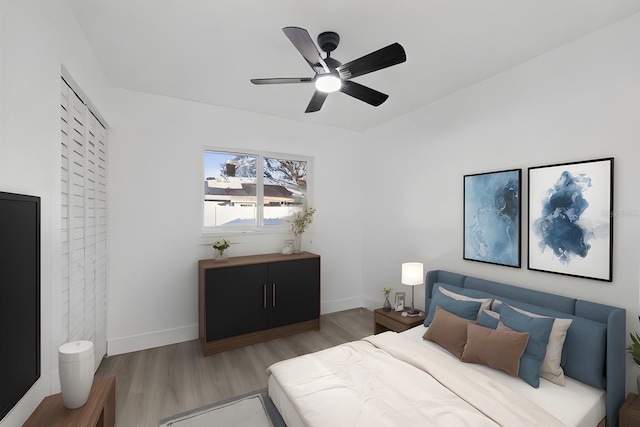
(156,383)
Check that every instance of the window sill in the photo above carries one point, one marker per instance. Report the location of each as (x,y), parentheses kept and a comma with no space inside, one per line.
(244,235)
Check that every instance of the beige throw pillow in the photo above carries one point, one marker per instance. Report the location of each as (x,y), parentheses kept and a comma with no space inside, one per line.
(499,349)
(448,330)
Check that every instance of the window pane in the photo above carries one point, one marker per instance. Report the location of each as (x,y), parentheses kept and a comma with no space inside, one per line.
(229,189)
(285,189)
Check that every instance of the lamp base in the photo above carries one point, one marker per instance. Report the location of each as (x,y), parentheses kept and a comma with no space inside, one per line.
(414,313)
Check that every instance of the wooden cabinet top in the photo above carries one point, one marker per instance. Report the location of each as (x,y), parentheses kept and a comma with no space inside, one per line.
(99,409)
(253,259)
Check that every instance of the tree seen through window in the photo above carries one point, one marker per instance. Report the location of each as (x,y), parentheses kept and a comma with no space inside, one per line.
(231,183)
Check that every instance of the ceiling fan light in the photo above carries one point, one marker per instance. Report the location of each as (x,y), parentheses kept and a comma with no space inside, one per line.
(328,83)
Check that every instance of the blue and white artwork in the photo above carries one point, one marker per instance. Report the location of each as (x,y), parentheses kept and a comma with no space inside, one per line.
(492,217)
(570,218)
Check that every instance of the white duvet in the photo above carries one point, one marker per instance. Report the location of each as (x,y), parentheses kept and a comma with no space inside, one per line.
(393,381)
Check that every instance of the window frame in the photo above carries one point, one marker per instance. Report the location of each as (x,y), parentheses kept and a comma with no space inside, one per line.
(259,227)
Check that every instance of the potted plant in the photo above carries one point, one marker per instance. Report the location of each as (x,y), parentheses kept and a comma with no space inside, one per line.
(299,224)
(634,348)
(220,246)
(387,305)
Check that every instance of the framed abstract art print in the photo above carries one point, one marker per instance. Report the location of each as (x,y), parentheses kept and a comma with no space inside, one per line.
(570,219)
(492,217)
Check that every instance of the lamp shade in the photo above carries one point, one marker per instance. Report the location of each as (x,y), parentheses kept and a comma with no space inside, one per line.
(412,273)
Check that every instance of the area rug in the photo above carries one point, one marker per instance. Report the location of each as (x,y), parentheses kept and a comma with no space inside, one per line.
(253,409)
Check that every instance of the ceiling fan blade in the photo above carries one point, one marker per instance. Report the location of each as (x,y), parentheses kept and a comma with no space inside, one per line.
(316,101)
(302,41)
(282,80)
(363,93)
(382,58)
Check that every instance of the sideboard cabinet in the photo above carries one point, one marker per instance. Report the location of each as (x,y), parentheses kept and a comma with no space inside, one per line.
(252,299)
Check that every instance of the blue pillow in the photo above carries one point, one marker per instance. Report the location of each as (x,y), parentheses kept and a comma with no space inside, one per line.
(465,309)
(488,321)
(583,337)
(539,329)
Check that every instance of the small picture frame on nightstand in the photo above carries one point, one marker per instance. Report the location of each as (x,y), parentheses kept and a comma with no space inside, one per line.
(400,301)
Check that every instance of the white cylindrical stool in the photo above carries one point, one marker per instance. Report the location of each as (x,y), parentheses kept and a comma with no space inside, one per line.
(76,364)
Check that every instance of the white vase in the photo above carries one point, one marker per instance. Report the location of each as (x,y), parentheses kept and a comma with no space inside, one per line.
(76,362)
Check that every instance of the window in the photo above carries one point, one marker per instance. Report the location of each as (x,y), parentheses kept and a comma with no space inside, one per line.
(251,190)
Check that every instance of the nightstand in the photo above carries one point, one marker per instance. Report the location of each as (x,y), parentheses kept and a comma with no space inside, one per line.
(630,411)
(394,321)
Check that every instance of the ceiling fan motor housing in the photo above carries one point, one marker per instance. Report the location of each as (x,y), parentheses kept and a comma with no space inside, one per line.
(328,41)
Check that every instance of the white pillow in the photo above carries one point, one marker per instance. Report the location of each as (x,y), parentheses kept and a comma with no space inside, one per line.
(550,368)
(485,303)
(493,314)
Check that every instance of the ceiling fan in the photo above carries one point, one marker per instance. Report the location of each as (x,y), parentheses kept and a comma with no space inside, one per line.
(331,75)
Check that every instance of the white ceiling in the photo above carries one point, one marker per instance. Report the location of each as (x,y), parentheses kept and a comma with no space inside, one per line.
(207,50)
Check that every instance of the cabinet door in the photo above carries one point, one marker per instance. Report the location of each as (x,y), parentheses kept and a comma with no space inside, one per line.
(236,300)
(295,287)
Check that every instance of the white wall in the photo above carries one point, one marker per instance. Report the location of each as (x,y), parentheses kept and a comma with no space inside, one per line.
(155,207)
(578,102)
(36,38)
(155,186)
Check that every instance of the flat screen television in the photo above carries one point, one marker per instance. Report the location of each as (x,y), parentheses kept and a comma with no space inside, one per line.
(19,297)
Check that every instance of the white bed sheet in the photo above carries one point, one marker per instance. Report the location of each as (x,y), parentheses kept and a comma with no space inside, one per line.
(284,405)
(576,404)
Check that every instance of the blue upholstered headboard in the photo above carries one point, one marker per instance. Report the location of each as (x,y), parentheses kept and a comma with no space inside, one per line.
(597,330)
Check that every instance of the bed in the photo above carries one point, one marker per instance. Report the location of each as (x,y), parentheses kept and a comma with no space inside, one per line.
(395,379)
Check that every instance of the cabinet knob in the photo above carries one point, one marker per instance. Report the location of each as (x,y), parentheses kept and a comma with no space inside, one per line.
(273,287)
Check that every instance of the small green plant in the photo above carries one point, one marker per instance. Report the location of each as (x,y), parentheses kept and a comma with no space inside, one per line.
(221,244)
(634,348)
(386,291)
(301,220)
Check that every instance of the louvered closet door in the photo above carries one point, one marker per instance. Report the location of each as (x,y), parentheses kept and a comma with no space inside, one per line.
(76,219)
(72,224)
(83,230)
(65,128)
(100,218)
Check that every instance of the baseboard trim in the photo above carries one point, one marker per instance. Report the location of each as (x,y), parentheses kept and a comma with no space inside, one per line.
(340,305)
(372,304)
(187,333)
(151,340)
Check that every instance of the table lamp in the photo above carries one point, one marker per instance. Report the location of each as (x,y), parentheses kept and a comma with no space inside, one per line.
(412,275)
